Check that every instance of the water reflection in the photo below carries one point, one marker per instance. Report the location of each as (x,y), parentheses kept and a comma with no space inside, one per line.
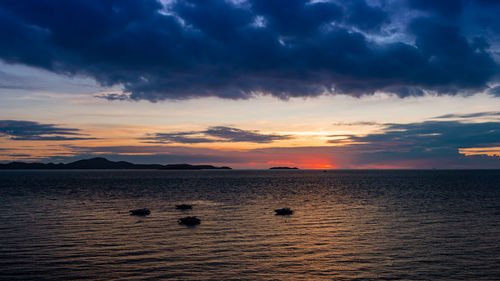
(402,225)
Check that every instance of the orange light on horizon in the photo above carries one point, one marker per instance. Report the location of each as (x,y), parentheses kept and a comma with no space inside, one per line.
(321,166)
(306,162)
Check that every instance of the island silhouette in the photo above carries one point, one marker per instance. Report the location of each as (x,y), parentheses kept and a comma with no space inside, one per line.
(100,163)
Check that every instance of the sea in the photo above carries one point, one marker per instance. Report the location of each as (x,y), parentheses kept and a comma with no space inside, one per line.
(346,225)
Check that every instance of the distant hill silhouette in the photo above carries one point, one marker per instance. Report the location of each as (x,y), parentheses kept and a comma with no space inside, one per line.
(283,168)
(103,163)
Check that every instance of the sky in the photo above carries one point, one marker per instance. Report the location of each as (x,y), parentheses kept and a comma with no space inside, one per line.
(252,84)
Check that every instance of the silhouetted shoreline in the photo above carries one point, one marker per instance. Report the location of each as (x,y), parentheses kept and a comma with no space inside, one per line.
(103,163)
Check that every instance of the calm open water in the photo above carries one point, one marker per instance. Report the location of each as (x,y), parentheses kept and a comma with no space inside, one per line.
(73,225)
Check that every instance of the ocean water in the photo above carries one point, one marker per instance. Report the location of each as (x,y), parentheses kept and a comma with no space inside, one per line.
(75,225)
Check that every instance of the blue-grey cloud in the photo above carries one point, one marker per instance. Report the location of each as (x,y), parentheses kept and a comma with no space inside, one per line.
(430,140)
(236,49)
(9,81)
(470,115)
(239,135)
(34,131)
(429,144)
(179,137)
(215,134)
(113,96)
(495,91)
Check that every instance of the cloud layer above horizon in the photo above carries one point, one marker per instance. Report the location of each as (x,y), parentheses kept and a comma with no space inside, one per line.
(34,131)
(448,141)
(238,49)
(215,134)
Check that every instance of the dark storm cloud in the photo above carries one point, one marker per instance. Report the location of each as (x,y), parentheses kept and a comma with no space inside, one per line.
(448,8)
(34,131)
(296,17)
(366,17)
(236,49)
(215,134)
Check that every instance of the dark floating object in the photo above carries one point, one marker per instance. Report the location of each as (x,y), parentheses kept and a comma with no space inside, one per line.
(283,211)
(140,212)
(183,207)
(283,168)
(190,221)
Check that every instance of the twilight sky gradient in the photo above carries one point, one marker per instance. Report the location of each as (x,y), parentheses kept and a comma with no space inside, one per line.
(252,83)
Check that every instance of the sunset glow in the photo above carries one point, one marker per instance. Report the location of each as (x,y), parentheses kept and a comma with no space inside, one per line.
(249,139)
(330,93)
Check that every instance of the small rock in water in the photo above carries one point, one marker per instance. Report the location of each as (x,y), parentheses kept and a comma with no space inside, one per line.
(189,221)
(140,212)
(283,211)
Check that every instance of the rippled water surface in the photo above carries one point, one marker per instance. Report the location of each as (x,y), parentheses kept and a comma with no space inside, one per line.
(68,225)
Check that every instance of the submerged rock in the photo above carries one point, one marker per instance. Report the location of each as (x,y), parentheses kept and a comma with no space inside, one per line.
(189,221)
(140,212)
(283,211)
